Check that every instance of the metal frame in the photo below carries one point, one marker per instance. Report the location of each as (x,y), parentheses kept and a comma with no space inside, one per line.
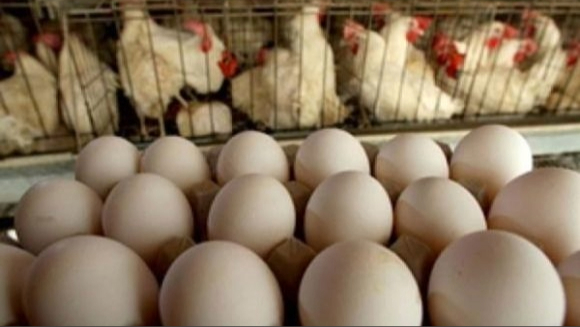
(93,13)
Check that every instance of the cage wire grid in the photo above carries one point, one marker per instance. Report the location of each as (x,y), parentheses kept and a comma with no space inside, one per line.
(246,27)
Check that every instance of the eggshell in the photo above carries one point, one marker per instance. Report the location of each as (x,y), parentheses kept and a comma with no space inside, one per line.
(326,153)
(495,278)
(221,284)
(204,119)
(89,280)
(570,274)
(544,207)
(408,158)
(348,206)
(56,209)
(359,283)
(255,211)
(438,211)
(105,162)
(178,160)
(488,158)
(252,153)
(14,265)
(145,212)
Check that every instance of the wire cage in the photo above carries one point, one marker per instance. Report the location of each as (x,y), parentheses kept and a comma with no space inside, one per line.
(77,69)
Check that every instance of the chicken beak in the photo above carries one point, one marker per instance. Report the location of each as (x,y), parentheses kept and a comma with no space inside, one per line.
(228,64)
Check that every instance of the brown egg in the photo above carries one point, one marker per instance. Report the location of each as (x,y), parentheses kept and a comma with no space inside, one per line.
(89,280)
(570,273)
(14,265)
(220,284)
(489,158)
(495,278)
(105,162)
(438,211)
(328,152)
(145,212)
(178,160)
(56,209)
(408,158)
(544,207)
(359,283)
(348,206)
(252,153)
(255,211)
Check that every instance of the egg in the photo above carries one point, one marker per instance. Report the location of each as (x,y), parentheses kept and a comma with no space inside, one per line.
(255,211)
(14,265)
(570,273)
(178,160)
(348,206)
(105,162)
(220,284)
(56,209)
(495,278)
(145,212)
(90,280)
(437,212)
(359,283)
(408,158)
(252,153)
(488,158)
(544,207)
(326,153)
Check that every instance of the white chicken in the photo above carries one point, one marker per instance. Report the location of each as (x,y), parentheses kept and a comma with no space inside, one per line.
(155,63)
(296,87)
(88,88)
(550,59)
(204,119)
(47,46)
(389,91)
(488,91)
(30,95)
(566,95)
(15,136)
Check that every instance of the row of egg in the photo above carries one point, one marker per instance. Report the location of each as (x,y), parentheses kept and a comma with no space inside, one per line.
(254,209)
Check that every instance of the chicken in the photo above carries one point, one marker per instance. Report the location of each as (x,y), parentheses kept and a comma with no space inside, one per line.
(47,46)
(296,86)
(390,91)
(13,35)
(204,119)
(488,91)
(156,62)
(15,136)
(566,95)
(550,59)
(89,90)
(30,95)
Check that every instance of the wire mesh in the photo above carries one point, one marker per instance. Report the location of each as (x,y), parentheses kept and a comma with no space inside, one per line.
(205,69)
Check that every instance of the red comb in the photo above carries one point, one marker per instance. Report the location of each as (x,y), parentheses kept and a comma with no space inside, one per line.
(424,22)
(510,32)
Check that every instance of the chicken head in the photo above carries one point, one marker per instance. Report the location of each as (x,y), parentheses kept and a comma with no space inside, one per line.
(379,11)
(228,64)
(351,34)
(200,29)
(419,25)
(527,50)
(51,40)
(500,32)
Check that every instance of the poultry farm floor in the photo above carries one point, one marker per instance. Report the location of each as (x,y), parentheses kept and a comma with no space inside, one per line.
(556,146)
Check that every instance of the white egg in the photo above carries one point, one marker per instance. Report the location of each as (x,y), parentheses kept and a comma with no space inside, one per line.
(220,284)
(326,153)
(542,206)
(145,212)
(54,210)
(89,280)
(255,211)
(570,272)
(495,278)
(348,206)
(438,211)
(408,158)
(14,266)
(359,283)
(177,160)
(489,158)
(105,162)
(252,153)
